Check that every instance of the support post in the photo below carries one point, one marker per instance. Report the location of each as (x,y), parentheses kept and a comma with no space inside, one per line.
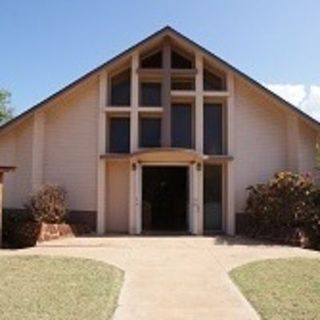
(166,98)
(134,103)
(199,104)
(230,181)
(101,149)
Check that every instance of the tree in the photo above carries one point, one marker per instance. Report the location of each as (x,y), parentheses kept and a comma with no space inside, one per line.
(6,112)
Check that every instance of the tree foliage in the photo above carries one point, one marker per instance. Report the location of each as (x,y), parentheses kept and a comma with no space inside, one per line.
(6,112)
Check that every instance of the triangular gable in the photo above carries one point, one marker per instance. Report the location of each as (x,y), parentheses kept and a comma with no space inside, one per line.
(166,31)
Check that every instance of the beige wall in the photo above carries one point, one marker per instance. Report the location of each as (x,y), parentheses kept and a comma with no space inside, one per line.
(7,158)
(16,149)
(70,155)
(308,139)
(117,199)
(260,134)
(70,152)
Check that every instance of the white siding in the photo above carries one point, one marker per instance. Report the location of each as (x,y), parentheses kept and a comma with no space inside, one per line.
(70,155)
(307,148)
(16,150)
(260,132)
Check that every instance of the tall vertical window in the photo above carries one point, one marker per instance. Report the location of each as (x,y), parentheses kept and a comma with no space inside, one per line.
(120,89)
(149,132)
(150,94)
(181,126)
(119,135)
(212,197)
(213,129)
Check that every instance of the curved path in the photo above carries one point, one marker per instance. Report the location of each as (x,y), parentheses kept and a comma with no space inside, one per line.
(173,277)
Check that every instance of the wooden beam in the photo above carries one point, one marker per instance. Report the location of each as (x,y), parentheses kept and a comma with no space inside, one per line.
(101,149)
(166,99)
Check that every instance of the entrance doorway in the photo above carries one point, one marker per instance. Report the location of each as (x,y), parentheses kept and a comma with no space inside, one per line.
(165,198)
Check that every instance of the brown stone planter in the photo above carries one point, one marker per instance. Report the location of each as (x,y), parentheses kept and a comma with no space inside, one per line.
(51,231)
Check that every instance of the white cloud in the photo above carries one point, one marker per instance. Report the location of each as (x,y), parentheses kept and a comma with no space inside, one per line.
(311,104)
(305,98)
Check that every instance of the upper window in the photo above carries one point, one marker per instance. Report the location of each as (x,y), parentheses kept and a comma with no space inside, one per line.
(179,61)
(153,60)
(149,132)
(150,94)
(120,89)
(119,135)
(212,81)
(181,126)
(178,83)
(213,129)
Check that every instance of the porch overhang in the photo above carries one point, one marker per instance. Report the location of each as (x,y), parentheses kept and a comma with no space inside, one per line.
(167,155)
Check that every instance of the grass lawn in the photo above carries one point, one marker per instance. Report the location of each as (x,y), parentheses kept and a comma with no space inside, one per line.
(56,288)
(282,288)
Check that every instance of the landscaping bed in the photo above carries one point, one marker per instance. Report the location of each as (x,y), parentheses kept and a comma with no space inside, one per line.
(282,288)
(285,209)
(42,287)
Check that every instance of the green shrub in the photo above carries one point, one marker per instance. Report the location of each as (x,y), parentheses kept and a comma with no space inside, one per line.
(48,204)
(286,206)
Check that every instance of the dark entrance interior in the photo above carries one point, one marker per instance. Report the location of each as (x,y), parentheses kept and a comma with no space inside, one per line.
(164,198)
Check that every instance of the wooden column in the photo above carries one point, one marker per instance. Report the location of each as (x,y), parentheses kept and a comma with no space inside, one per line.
(230,175)
(198,171)
(101,149)
(134,143)
(199,104)
(166,96)
(134,104)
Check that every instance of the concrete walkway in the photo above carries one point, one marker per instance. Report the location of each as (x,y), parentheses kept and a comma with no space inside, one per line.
(173,277)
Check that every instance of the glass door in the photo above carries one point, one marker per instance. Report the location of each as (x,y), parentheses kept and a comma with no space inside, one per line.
(212,208)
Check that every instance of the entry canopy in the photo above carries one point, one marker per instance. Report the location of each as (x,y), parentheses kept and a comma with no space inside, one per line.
(178,155)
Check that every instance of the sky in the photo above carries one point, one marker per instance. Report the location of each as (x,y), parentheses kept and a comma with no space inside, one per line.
(44,45)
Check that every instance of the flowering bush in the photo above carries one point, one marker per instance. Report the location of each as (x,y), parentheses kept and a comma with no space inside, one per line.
(287,204)
(48,204)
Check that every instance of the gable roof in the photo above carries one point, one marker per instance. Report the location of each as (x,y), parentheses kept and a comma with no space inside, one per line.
(164,31)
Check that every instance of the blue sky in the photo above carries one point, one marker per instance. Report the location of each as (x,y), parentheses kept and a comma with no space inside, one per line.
(47,44)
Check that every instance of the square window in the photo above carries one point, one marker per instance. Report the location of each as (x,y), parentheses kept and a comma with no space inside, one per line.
(150,94)
(150,132)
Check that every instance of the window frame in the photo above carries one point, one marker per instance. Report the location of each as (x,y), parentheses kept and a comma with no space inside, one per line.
(145,116)
(149,81)
(191,105)
(223,106)
(119,72)
(109,133)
